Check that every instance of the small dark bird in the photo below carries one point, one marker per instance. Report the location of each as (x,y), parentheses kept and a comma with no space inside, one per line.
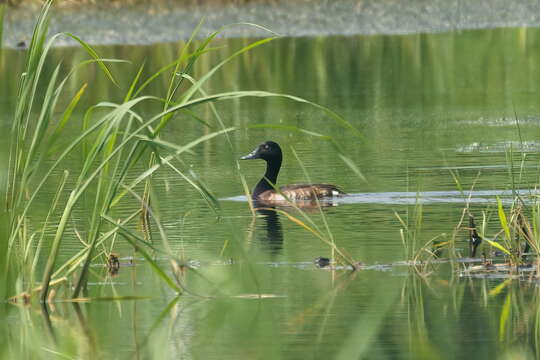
(113,264)
(322,262)
(474,238)
(270,152)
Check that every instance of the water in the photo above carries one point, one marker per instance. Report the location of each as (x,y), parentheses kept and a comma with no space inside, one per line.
(427,106)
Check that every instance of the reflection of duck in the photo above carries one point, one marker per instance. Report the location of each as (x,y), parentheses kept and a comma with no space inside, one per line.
(265,192)
(273,234)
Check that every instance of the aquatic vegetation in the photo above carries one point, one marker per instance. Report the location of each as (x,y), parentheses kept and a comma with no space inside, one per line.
(148,269)
(120,151)
(507,246)
(115,140)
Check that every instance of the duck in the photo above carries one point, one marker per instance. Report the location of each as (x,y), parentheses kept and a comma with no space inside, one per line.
(264,191)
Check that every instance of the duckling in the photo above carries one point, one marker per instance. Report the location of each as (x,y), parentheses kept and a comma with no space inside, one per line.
(270,152)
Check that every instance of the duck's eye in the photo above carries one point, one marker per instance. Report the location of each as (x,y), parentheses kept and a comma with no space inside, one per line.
(266,147)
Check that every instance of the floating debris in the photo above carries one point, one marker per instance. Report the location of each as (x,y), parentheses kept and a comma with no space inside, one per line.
(505,270)
(23,298)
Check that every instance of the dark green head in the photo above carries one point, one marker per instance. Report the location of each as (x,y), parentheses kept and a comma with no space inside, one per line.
(269,151)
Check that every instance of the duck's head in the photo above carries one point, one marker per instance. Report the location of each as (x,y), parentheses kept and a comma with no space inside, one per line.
(269,151)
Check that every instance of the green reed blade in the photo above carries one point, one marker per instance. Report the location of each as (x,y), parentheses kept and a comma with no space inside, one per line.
(53,254)
(52,209)
(498,246)
(67,113)
(153,77)
(74,197)
(308,179)
(182,56)
(76,259)
(134,240)
(210,199)
(129,94)
(177,151)
(30,92)
(212,108)
(94,55)
(200,120)
(41,126)
(193,89)
(502,219)
(83,185)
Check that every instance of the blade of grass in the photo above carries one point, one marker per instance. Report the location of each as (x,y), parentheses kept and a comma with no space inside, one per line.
(502,219)
(94,55)
(130,237)
(498,246)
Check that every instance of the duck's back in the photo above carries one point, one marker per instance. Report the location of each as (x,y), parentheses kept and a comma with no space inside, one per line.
(302,192)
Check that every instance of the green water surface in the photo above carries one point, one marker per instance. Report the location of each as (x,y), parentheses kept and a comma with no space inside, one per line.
(426,105)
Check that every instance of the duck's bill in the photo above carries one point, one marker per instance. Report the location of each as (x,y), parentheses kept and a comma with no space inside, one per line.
(253,155)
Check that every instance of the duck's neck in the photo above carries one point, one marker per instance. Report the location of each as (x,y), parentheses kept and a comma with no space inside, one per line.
(270,177)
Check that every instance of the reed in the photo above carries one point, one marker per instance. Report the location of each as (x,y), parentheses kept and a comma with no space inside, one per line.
(115,141)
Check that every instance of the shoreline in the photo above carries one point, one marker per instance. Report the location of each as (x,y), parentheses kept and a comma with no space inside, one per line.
(144,24)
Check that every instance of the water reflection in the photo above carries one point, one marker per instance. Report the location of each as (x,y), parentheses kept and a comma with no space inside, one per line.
(47,324)
(269,232)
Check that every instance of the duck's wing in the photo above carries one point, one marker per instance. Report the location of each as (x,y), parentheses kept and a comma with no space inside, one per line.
(310,191)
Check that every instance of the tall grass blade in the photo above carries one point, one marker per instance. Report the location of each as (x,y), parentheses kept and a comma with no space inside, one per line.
(502,219)
(498,246)
(52,209)
(55,247)
(74,262)
(134,240)
(333,115)
(177,151)
(95,56)
(194,89)
(67,114)
(210,199)
(129,94)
